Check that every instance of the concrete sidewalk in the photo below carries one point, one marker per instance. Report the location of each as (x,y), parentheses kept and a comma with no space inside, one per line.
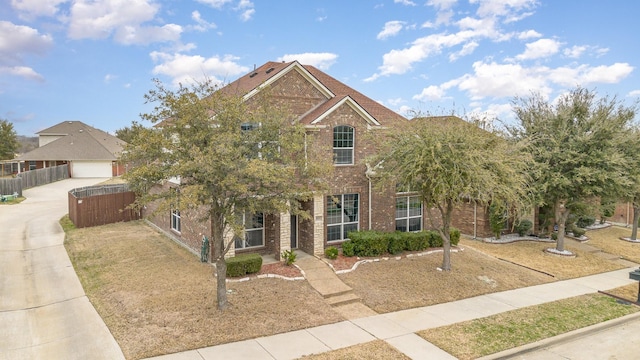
(398,328)
(44,312)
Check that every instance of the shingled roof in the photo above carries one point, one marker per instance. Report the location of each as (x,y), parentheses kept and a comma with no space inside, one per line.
(78,141)
(335,91)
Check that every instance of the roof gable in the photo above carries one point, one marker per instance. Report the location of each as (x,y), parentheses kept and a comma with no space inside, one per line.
(336,93)
(348,101)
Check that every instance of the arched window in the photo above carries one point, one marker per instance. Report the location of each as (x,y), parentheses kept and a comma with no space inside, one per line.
(343,145)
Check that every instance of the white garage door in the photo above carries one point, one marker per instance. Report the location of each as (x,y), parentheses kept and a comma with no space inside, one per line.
(90,169)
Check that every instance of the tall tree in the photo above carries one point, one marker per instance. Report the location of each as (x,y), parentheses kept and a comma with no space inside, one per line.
(128,133)
(232,157)
(8,140)
(449,162)
(631,149)
(576,143)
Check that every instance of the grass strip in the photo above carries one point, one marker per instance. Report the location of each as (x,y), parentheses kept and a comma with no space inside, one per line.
(480,337)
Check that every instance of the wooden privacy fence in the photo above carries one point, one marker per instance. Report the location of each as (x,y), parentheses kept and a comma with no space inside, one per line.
(29,179)
(100,205)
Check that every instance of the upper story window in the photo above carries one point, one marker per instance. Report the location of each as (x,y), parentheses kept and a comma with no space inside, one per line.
(343,145)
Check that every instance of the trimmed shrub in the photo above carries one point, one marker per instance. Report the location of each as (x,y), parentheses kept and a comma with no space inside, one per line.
(578,232)
(331,252)
(416,241)
(397,243)
(435,240)
(584,221)
(454,235)
(523,227)
(348,248)
(369,243)
(243,264)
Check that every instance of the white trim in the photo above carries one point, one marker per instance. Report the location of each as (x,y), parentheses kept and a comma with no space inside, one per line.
(354,105)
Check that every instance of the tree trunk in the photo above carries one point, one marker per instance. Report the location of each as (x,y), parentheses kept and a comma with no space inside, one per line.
(562,214)
(445,234)
(217,240)
(636,218)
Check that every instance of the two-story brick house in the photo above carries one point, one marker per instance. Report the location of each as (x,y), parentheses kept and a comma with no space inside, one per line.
(343,120)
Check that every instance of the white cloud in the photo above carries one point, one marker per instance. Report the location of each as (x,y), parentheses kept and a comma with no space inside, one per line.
(574,51)
(320,60)
(634,93)
(16,41)
(217,4)
(398,62)
(391,28)
(540,49)
(511,10)
(246,10)
(29,9)
(529,34)
(503,80)
(123,19)
(405,2)
(130,35)
(188,69)
(467,49)
(109,77)
(201,24)
(493,80)
(431,92)
(22,71)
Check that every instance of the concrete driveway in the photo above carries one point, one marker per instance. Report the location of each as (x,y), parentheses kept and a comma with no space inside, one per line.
(44,312)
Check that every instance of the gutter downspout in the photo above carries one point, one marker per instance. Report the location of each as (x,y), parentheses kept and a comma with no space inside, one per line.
(369,178)
(368,173)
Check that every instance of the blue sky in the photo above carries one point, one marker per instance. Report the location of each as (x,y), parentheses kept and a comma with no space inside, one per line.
(93,60)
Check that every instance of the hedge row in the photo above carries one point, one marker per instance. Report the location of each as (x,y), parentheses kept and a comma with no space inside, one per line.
(375,243)
(243,264)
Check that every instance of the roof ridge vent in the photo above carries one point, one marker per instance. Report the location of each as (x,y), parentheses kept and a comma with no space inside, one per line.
(270,70)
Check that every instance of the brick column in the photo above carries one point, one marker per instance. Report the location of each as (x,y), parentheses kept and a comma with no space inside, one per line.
(318,225)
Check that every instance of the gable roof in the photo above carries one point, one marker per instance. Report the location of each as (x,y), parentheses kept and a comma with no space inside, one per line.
(336,92)
(78,141)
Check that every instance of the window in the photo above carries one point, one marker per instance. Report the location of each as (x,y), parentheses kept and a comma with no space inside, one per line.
(253,231)
(342,216)
(343,145)
(408,213)
(175,220)
(32,165)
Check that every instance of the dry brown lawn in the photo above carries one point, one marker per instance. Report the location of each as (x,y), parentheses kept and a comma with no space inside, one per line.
(608,240)
(378,349)
(532,255)
(157,298)
(394,285)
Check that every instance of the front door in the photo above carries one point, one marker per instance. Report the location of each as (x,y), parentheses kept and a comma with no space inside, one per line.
(294,231)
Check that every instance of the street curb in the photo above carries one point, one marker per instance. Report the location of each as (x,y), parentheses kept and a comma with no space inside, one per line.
(559,339)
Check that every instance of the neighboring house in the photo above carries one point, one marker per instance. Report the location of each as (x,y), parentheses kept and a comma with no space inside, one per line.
(339,117)
(90,152)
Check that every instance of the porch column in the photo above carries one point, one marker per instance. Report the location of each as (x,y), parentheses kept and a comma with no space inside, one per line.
(318,225)
(228,237)
(285,234)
